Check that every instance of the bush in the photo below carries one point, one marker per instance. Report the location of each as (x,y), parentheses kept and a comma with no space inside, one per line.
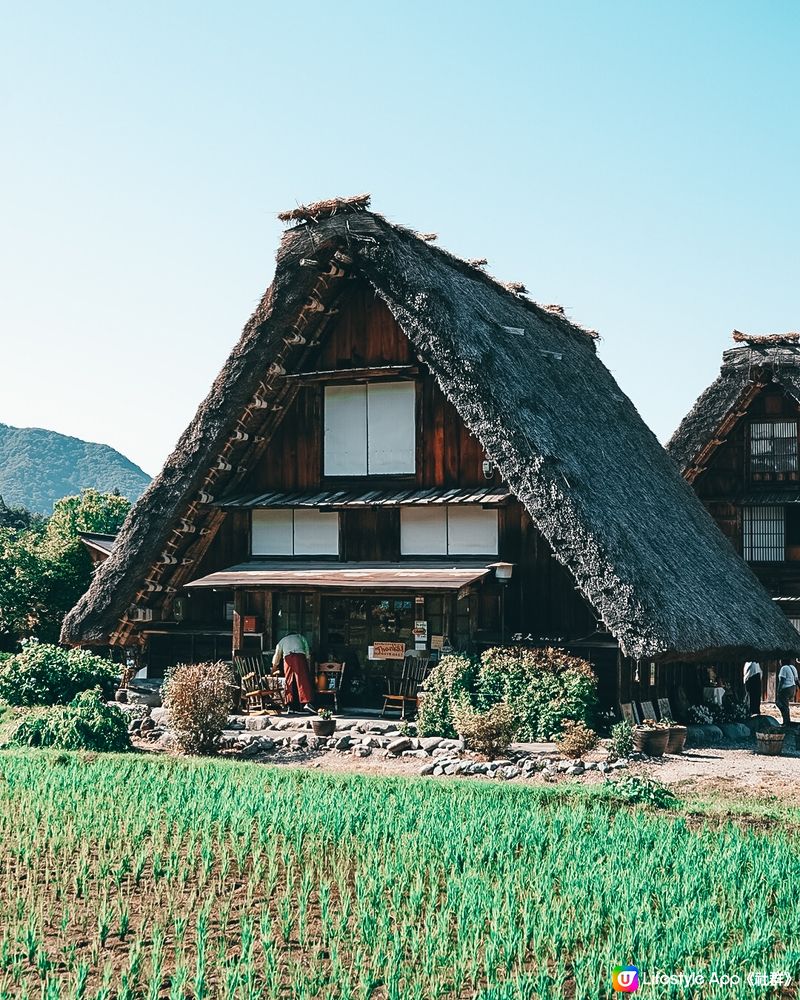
(42,674)
(644,791)
(198,698)
(576,739)
(489,733)
(543,687)
(622,738)
(451,681)
(87,723)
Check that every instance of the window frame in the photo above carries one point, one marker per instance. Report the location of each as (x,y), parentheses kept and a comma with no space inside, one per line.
(786,456)
(448,553)
(294,554)
(415,429)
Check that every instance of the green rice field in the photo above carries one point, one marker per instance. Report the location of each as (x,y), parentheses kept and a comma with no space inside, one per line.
(129,877)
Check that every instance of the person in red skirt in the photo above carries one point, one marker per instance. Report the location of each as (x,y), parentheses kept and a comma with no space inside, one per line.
(293,650)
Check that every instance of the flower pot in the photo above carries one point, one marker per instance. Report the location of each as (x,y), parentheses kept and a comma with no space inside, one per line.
(676,739)
(769,744)
(121,695)
(323,727)
(652,742)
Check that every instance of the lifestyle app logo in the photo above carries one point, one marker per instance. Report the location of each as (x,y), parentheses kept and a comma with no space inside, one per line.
(625,978)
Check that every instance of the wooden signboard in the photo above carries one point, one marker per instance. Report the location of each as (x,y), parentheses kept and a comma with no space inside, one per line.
(628,712)
(664,711)
(648,711)
(437,641)
(420,631)
(388,651)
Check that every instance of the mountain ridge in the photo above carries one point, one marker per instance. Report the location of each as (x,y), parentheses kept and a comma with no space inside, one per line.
(39,466)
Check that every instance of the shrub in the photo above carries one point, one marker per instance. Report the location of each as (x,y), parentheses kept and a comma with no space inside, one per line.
(644,791)
(450,682)
(489,733)
(198,698)
(42,674)
(543,687)
(622,738)
(576,739)
(86,723)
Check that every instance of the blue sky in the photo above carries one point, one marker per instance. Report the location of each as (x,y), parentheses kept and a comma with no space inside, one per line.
(637,162)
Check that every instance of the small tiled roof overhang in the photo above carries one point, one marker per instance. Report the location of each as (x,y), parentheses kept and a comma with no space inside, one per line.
(372,498)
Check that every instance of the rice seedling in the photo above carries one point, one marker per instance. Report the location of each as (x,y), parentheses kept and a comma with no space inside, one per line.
(199,879)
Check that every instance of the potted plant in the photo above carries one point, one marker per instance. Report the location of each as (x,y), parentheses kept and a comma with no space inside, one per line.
(677,735)
(651,738)
(324,724)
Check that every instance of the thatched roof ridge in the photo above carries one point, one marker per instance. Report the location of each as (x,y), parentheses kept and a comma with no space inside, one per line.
(755,362)
(529,385)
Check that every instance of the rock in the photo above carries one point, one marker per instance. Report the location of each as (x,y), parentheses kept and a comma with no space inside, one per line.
(576,769)
(512,771)
(428,768)
(450,768)
(299,739)
(735,731)
(343,743)
(501,762)
(250,750)
(440,752)
(430,743)
(591,765)
(564,765)
(362,751)
(147,725)
(618,765)
(418,754)
(256,722)
(602,767)
(135,726)
(281,724)
(266,745)
(143,692)
(438,769)
(399,745)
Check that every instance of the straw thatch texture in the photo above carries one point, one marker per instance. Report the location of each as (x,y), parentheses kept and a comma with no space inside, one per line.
(773,358)
(530,386)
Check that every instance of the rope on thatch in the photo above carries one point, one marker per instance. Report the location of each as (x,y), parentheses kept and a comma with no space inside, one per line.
(477,261)
(554,307)
(428,237)
(325,209)
(765,338)
(516,287)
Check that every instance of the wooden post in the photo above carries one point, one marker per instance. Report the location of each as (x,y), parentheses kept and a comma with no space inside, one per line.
(238,621)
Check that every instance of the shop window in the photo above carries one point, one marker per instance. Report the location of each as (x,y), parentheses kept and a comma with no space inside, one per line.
(773,448)
(295,533)
(448,530)
(370,430)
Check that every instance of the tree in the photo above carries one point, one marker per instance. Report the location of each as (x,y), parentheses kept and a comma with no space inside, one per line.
(44,569)
(18,517)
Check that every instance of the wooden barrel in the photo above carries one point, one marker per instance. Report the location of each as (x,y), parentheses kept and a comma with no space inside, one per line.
(770,744)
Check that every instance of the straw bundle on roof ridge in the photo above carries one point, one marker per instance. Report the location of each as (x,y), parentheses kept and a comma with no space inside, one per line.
(765,338)
(317,210)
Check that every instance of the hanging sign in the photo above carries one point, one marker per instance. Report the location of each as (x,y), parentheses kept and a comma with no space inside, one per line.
(420,631)
(387,651)
(437,641)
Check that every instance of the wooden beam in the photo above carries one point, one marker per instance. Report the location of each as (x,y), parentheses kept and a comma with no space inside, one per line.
(354,374)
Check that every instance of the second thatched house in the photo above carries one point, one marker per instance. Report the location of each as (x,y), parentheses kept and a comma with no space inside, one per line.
(738,447)
(403,452)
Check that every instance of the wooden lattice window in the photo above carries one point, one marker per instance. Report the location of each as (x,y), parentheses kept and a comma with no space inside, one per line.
(773,447)
(764,531)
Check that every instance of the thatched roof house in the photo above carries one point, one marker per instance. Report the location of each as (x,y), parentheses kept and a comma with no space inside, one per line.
(525,381)
(757,361)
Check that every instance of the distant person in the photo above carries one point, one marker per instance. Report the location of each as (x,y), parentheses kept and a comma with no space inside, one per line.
(294,652)
(787,689)
(752,684)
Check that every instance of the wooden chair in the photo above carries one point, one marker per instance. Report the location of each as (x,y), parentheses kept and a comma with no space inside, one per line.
(404,690)
(334,677)
(260,690)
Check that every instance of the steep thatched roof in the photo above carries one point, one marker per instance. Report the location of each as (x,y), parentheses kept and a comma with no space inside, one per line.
(746,369)
(529,385)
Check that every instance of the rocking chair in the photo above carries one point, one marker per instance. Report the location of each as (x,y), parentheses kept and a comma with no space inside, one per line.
(404,690)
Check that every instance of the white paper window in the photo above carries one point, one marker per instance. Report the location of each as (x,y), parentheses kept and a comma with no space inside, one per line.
(449,530)
(370,430)
(471,531)
(764,534)
(295,533)
(773,446)
(423,531)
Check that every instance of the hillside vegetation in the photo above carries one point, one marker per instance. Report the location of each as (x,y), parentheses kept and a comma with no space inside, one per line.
(38,467)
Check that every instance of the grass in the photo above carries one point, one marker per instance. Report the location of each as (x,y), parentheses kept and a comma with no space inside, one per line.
(126,877)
